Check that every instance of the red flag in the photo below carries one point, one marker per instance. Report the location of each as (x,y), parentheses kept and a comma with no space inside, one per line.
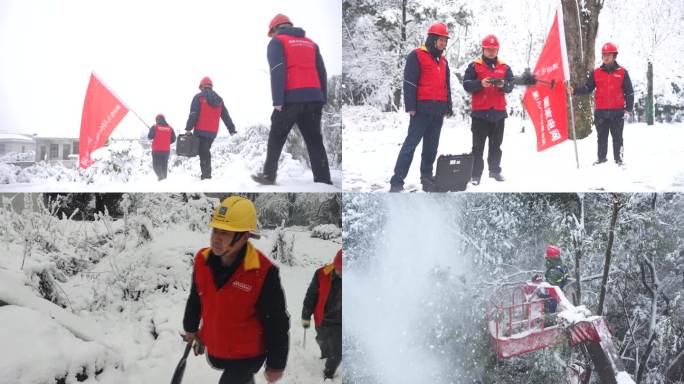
(102,112)
(545,102)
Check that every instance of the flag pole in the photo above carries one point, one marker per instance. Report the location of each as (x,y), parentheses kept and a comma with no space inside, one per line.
(120,99)
(566,75)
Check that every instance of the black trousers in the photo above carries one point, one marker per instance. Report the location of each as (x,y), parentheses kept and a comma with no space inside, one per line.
(329,338)
(237,371)
(614,126)
(483,130)
(205,156)
(160,164)
(307,116)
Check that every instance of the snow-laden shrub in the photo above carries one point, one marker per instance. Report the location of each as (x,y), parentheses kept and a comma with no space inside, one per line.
(8,173)
(326,231)
(282,247)
(119,161)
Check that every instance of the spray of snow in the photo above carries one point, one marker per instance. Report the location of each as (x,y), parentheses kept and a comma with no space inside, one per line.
(401,285)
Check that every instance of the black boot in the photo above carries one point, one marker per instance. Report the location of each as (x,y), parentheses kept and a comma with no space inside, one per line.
(496,176)
(396,188)
(263,178)
(429,183)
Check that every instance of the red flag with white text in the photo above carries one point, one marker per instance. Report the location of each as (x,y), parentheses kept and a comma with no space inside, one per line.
(546,102)
(102,112)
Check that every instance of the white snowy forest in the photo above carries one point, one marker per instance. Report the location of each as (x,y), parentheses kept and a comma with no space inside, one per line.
(421,273)
(380,33)
(126,165)
(93,286)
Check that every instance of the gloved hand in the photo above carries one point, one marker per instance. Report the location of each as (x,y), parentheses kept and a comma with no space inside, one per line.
(198,347)
(306,323)
(232,131)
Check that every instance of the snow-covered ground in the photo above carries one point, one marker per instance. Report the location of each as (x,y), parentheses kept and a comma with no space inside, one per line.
(653,157)
(136,341)
(126,166)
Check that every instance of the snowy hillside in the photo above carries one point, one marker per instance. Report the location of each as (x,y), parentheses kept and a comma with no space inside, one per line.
(127,166)
(372,140)
(119,287)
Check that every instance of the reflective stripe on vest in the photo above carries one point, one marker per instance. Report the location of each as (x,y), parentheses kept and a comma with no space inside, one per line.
(489,97)
(432,84)
(609,93)
(300,62)
(231,328)
(209,116)
(324,283)
(162,138)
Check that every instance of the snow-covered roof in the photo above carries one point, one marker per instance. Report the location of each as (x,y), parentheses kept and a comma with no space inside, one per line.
(15,137)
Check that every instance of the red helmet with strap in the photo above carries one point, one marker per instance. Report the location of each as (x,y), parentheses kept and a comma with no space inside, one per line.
(552,252)
(276,21)
(609,48)
(206,82)
(490,41)
(439,29)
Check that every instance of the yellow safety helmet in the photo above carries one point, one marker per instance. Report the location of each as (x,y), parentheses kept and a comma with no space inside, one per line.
(236,214)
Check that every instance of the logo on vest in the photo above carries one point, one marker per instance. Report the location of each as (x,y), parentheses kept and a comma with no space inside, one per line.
(242,286)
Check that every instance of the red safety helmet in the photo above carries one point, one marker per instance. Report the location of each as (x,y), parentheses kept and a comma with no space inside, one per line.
(552,252)
(490,41)
(439,29)
(609,48)
(277,20)
(206,82)
(338,260)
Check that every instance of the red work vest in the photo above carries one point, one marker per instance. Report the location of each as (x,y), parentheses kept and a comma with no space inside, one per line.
(324,283)
(300,62)
(432,84)
(162,138)
(489,97)
(209,116)
(231,328)
(609,93)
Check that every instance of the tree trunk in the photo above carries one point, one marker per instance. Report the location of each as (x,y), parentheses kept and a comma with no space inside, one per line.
(578,240)
(581,25)
(609,248)
(650,105)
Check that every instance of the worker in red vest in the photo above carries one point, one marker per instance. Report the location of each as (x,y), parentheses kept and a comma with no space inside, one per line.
(427,99)
(299,91)
(205,111)
(488,79)
(614,100)
(237,298)
(324,300)
(162,135)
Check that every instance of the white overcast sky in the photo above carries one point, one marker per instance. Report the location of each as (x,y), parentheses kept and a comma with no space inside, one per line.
(152,53)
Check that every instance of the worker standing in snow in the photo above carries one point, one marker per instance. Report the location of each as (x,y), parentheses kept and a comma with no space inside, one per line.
(162,135)
(205,111)
(427,99)
(614,100)
(488,79)
(299,91)
(324,300)
(237,295)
